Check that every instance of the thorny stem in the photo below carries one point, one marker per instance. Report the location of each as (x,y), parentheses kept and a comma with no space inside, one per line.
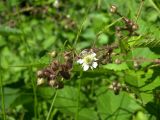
(80,29)
(24,10)
(2,99)
(50,110)
(78,99)
(139,11)
(2,94)
(104,29)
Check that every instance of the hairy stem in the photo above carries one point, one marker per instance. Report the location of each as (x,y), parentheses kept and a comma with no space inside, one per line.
(2,94)
(51,108)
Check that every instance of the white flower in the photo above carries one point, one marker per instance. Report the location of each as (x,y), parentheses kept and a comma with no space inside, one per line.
(88,60)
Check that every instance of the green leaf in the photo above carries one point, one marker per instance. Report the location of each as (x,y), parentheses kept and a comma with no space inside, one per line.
(45,92)
(149,36)
(23,98)
(103,39)
(116,67)
(66,100)
(5,30)
(87,114)
(111,106)
(10,96)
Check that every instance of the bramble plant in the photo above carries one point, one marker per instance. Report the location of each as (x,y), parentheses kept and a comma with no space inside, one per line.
(104,61)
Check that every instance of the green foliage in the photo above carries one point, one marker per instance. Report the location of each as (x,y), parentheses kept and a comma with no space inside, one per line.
(31,29)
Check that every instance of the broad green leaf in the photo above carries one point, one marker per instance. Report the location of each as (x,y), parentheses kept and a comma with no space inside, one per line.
(111,106)
(67,100)
(10,96)
(23,99)
(87,114)
(45,92)
(5,30)
(116,67)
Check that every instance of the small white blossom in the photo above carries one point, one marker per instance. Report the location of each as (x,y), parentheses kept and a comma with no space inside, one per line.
(88,60)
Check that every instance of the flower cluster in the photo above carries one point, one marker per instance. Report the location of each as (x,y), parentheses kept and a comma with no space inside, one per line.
(130,25)
(88,58)
(117,87)
(55,71)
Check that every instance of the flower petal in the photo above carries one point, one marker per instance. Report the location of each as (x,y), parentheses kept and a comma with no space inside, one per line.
(95,59)
(83,53)
(94,64)
(93,54)
(80,61)
(85,67)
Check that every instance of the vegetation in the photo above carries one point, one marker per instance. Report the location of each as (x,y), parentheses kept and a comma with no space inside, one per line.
(79,60)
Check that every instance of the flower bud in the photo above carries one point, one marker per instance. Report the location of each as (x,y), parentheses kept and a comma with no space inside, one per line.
(117,61)
(52,83)
(53,54)
(113,9)
(134,26)
(40,73)
(40,81)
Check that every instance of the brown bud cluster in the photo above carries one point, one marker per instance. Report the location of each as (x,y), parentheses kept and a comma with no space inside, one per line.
(106,55)
(56,70)
(130,25)
(117,87)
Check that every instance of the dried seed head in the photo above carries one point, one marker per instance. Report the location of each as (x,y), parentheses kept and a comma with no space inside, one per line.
(118,28)
(116,87)
(131,23)
(65,74)
(55,65)
(113,9)
(67,55)
(60,85)
(127,20)
(52,76)
(65,68)
(46,73)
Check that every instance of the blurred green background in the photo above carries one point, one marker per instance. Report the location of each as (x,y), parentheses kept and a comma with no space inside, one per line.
(30,29)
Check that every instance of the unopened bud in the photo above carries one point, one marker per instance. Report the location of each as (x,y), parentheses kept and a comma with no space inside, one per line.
(136,64)
(117,61)
(39,73)
(113,9)
(52,83)
(134,26)
(40,81)
(53,54)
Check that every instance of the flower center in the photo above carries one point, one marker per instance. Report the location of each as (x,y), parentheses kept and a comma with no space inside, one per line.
(88,59)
